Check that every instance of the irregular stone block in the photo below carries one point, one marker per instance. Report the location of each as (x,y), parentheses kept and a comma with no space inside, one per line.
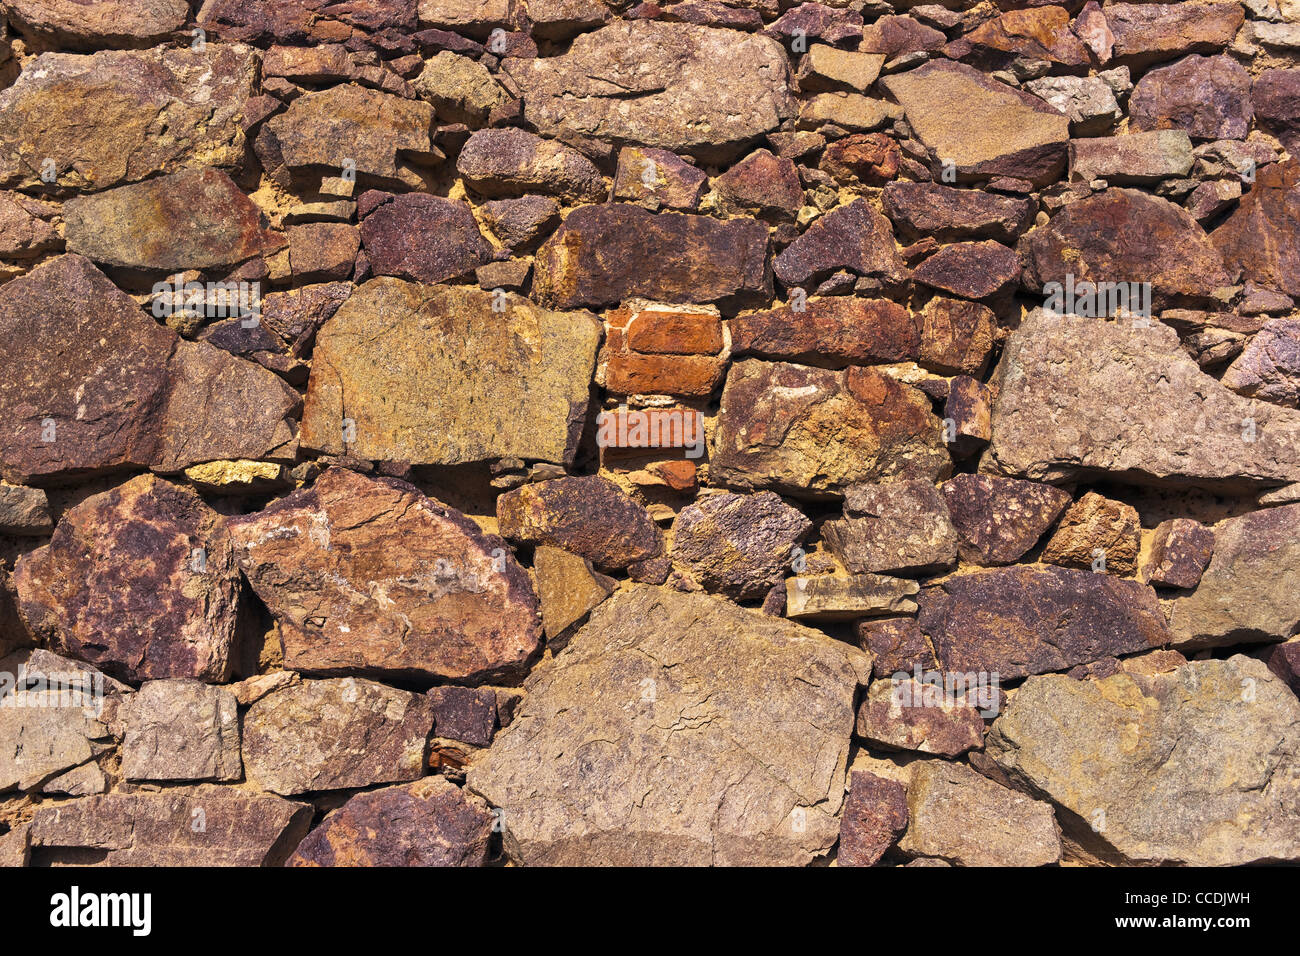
(833,598)
(181,730)
(738,545)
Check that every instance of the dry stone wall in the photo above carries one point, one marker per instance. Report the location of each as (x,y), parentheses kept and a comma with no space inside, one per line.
(733,432)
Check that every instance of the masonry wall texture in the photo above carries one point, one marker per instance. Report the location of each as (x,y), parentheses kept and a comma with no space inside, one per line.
(516,432)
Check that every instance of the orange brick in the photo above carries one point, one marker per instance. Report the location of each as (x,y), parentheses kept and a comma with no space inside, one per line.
(630,373)
(675,333)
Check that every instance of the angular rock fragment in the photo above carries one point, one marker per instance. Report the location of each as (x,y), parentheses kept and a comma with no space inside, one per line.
(422,238)
(1096,533)
(180,826)
(1208,97)
(895,35)
(449,602)
(1195,766)
(738,545)
(896,645)
(875,816)
(834,331)
(949,214)
(833,598)
(900,527)
(431,822)
(1016,134)
(106,23)
(767,184)
(476,18)
(957,336)
(999,519)
(49,721)
(587,515)
(194,219)
(968,416)
(139,581)
(1261,238)
(408,395)
(123,99)
(853,237)
(25,228)
(1023,620)
(681,758)
(1057,413)
(603,255)
(1088,101)
(680,87)
(1141,158)
(1040,33)
(972,270)
(813,432)
(24,511)
(1179,551)
(868,159)
(520,222)
(846,111)
(1275,96)
(900,715)
(336,734)
(959,816)
(181,730)
(1247,593)
(504,162)
(129,393)
(824,68)
(461,90)
(658,179)
(304,21)
(1150,32)
(467,714)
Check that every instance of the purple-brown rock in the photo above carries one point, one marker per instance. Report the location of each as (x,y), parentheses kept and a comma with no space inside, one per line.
(511,162)
(875,816)
(895,644)
(948,214)
(906,714)
(999,519)
(1209,97)
(738,545)
(1262,238)
(1178,553)
(896,527)
(421,237)
(853,237)
(835,331)
(972,270)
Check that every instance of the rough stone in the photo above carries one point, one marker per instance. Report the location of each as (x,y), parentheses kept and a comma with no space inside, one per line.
(518,223)
(567,587)
(896,646)
(897,715)
(742,787)
(24,511)
(431,822)
(467,714)
(1096,533)
(658,179)
(1178,553)
(875,816)
(181,730)
(948,214)
(835,331)
(899,527)
(106,23)
(1150,32)
(738,545)
(1208,97)
(812,432)
(1269,367)
(422,238)
(336,734)
(824,68)
(1088,101)
(505,162)
(764,183)
(957,336)
(1140,158)
(867,159)
(461,90)
(853,237)
(999,519)
(525,396)
(973,270)
(1262,238)
(836,598)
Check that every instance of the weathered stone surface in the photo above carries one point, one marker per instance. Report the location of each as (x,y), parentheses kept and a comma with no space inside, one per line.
(818,21)
(684,88)
(323,251)
(999,131)
(105,23)
(24,511)
(567,587)
(1269,367)
(603,255)
(351,127)
(519,222)
(899,527)
(410,395)
(421,237)
(1088,101)
(431,822)
(1096,533)
(506,162)
(973,270)
(1023,620)
(1040,32)
(239,828)
(1262,238)
(461,90)
(875,816)
(467,714)
(957,336)
(1209,97)
(631,786)
(140,581)
(1179,550)
(895,35)
(763,183)
(194,219)
(948,214)
(102,117)
(368,576)
(834,331)
(1149,32)
(853,237)
(1180,768)
(1135,158)
(738,545)
(25,227)
(968,416)
(834,598)
(586,514)
(999,519)
(897,715)
(1247,593)
(813,432)
(658,179)
(128,392)
(1057,413)
(846,111)
(181,730)
(304,21)
(957,815)
(475,18)
(895,644)
(1275,96)
(336,734)
(824,68)
(868,159)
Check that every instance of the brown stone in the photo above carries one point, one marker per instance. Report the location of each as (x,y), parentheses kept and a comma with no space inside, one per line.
(897,35)
(603,255)
(449,603)
(853,237)
(421,237)
(973,270)
(948,214)
(587,515)
(999,519)
(1149,32)
(1023,620)
(511,162)
(1275,96)
(430,822)
(763,183)
(658,179)
(467,714)
(835,331)
(304,21)
(106,23)
(518,223)
(869,159)
(1262,238)
(896,645)
(813,432)
(1096,533)
(957,336)
(1209,97)
(1178,553)
(738,545)
(831,597)
(140,581)
(181,730)
(875,816)
(567,587)
(25,227)
(900,527)
(24,511)
(968,416)
(1040,33)
(899,714)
